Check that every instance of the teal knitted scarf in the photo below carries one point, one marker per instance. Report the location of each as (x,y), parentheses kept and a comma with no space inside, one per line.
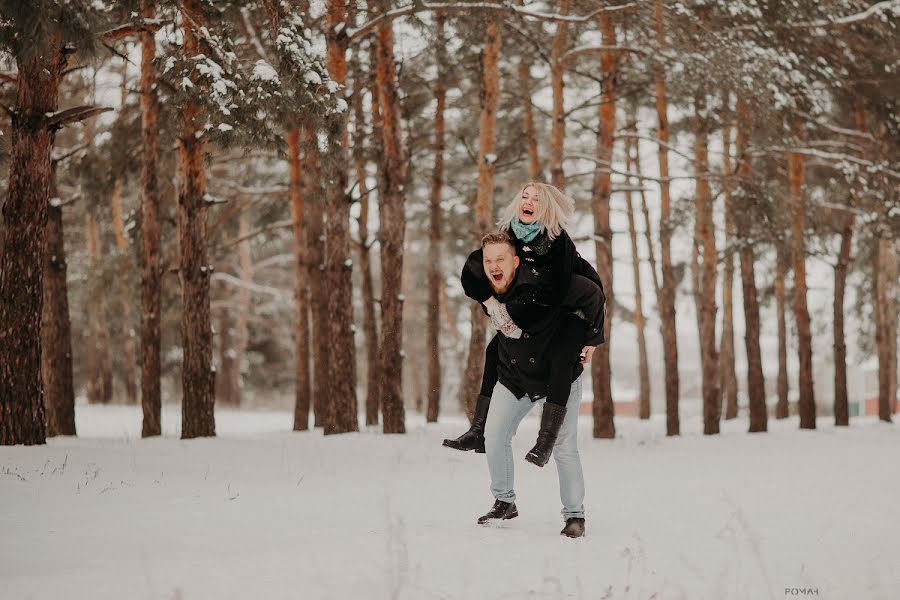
(524,232)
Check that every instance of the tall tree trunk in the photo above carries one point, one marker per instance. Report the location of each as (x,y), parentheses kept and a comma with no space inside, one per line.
(198,378)
(558,130)
(782,260)
(364,247)
(643,367)
(524,75)
(391,235)
(886,326)
(727,375)
(603,409)
(341,415)
(24,224)
(705,246)
(756,387)
(99,386)
(56,327)
(243,318)
(484,199)
(151,276)
(302,381)
(319,310)
(841,408)
(433,328)
(667,298)
(807,403)
(228,373)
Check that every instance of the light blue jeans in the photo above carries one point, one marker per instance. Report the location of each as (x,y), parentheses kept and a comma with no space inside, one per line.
(504,416)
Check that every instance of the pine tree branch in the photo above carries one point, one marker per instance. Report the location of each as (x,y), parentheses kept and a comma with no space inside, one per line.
(355,34)
(73,115)
(123,31)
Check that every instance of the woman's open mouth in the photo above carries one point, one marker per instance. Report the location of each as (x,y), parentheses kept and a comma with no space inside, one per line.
(528,212)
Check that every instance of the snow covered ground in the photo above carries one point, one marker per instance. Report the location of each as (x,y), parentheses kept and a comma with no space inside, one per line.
(261,512)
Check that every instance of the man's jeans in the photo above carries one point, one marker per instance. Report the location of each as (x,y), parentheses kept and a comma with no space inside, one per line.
(503,420)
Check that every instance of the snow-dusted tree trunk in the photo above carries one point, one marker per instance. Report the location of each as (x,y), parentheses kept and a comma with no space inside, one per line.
(557,70)
(643,367)
(435,276)
(484,199)
(807,402)
(705,248)
(667,297)
(198,378)
(392,232)
(24,224)
(727,375)
(782,260)
(756,388)
(603,409)
(151,276)
(56,327)
(341,407)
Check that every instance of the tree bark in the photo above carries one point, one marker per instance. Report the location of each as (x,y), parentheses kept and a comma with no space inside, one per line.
(99,386)
(484,199)
(705,246)
(643,367)
(841,407)
(341,407)
(56,327)
(667,297)
(727,375)
(319,311)
(807,403)
(603,409)
(886,326)
(302,379)
(433,327)
(364,247)
(558,129)
(392,233)
(198,378)
(151,276)
(24,225)
(782,259)
(756,388)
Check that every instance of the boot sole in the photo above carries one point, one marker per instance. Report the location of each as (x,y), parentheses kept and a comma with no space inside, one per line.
(477,450)
(530,458)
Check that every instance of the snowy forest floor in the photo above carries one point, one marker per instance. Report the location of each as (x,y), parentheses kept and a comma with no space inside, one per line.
(262,512)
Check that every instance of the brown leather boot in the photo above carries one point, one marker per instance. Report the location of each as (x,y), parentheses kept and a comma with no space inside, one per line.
(574,528)
(473,439)
(499,512)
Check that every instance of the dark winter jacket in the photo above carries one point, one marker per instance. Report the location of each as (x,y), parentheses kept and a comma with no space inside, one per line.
(545,273)
(524,365)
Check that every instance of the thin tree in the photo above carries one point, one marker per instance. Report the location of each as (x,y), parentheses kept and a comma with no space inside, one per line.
(392,232)
(484,199)
(557,83)
(603,409)
(433,327)
(669,283)
(631,145)
(886,273)
(727,375)
(807,402)
(151,275)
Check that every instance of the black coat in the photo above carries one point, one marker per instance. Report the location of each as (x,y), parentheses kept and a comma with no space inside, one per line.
(524,365)
(542,280)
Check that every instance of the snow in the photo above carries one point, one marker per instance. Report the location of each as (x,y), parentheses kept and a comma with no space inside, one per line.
(263,71)
(263,512)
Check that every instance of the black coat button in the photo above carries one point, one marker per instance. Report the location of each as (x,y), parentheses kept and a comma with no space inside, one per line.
(525,335)
(513,361)
(531,360)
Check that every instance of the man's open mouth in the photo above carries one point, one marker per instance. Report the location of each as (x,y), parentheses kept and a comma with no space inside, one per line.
(498,277)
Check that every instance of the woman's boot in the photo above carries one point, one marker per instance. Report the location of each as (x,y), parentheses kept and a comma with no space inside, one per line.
(551,420)
(473,439)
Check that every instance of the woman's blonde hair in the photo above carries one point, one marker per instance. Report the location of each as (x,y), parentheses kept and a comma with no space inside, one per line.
(553,214)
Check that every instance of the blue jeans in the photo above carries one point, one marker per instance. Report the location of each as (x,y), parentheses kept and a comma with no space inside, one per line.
(504,416)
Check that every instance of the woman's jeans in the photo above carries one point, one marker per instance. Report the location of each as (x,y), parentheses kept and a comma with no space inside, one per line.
(504,416)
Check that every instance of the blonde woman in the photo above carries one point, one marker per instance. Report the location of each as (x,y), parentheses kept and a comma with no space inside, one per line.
(549,276)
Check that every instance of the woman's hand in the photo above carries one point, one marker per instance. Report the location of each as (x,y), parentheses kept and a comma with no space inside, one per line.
(587,353)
